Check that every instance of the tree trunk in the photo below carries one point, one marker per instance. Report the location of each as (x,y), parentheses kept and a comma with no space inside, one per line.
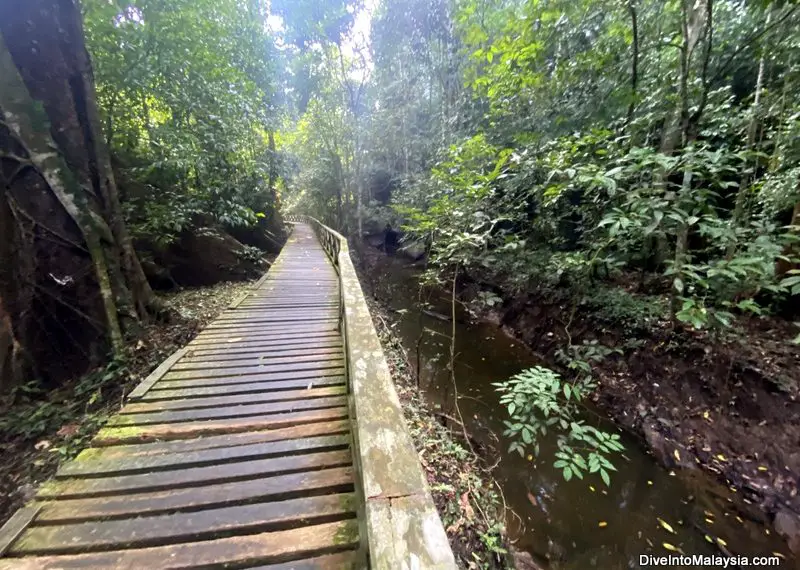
(738,215)
(634,62)
(70,281)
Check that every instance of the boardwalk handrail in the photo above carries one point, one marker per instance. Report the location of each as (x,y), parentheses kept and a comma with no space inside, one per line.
(400,521)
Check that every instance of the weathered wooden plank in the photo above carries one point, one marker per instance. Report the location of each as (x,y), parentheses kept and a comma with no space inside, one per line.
(137,464)
(266,351)
(255,314)
(256,303)
(203,391)
(16,525)
(141,434)
(156,375)
(261,548)
(184,527)
(281,322)
(259,362)
(222,412)
(266,378)
(192,476)
(287,328)
(123,452)
(274,321)
(262,341)
(351,560)
(272,339)
(221,401)
(308,368)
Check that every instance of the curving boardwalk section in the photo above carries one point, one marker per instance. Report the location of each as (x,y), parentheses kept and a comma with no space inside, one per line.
(248,448)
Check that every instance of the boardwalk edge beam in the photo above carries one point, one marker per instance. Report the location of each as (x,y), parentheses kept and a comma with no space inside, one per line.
(400,521)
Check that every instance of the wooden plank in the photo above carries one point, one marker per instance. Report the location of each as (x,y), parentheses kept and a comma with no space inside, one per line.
(262,377)
(124,452)
(307,368)
(137,464)
(176,391)
(141,434)
(184,527)
(289,317)
(156,375)
(350,560)
(193,476)
(271,339)
(261,548)
(255,314)
(281,487)
(267,342)
(238,411)
(267,351)
(279,322)
(258,362)
(16,525)
(257,303)
(221,401)
(285,328)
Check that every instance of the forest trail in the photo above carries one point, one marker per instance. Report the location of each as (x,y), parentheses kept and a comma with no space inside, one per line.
(236,450)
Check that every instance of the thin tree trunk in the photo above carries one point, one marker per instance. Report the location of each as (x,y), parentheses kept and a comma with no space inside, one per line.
(738,216)
(634,62)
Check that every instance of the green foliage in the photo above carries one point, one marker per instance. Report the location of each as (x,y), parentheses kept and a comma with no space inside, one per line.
(617,306)
(33,414)
(250,253)
(184,89)
(539,401)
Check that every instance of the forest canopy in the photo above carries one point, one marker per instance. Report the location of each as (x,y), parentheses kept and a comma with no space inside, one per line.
(559,142)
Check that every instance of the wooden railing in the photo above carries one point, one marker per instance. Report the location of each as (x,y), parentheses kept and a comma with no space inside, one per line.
(398,518)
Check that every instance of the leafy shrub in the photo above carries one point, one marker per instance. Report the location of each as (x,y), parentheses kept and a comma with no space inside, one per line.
(539,400)
(616,305)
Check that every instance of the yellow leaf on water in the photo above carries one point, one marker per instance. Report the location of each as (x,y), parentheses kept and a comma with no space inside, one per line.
(602,524)
(649,482)
(705,414)
(709,521)
(591,488)
(721,457)
(709,539)
(762,468)
(671,547)
(722,542)
(677,455)
(666,526)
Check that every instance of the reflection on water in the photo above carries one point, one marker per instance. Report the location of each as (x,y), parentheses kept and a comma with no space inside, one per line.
(566,525)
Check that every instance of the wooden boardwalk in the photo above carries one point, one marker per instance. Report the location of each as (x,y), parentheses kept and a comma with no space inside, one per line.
(235,453)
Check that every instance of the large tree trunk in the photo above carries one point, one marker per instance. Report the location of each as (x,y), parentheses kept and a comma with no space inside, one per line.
(70,281)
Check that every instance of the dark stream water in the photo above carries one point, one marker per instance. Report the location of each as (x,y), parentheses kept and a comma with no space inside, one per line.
(564,525)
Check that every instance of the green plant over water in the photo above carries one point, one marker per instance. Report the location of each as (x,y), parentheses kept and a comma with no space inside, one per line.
(538,402)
